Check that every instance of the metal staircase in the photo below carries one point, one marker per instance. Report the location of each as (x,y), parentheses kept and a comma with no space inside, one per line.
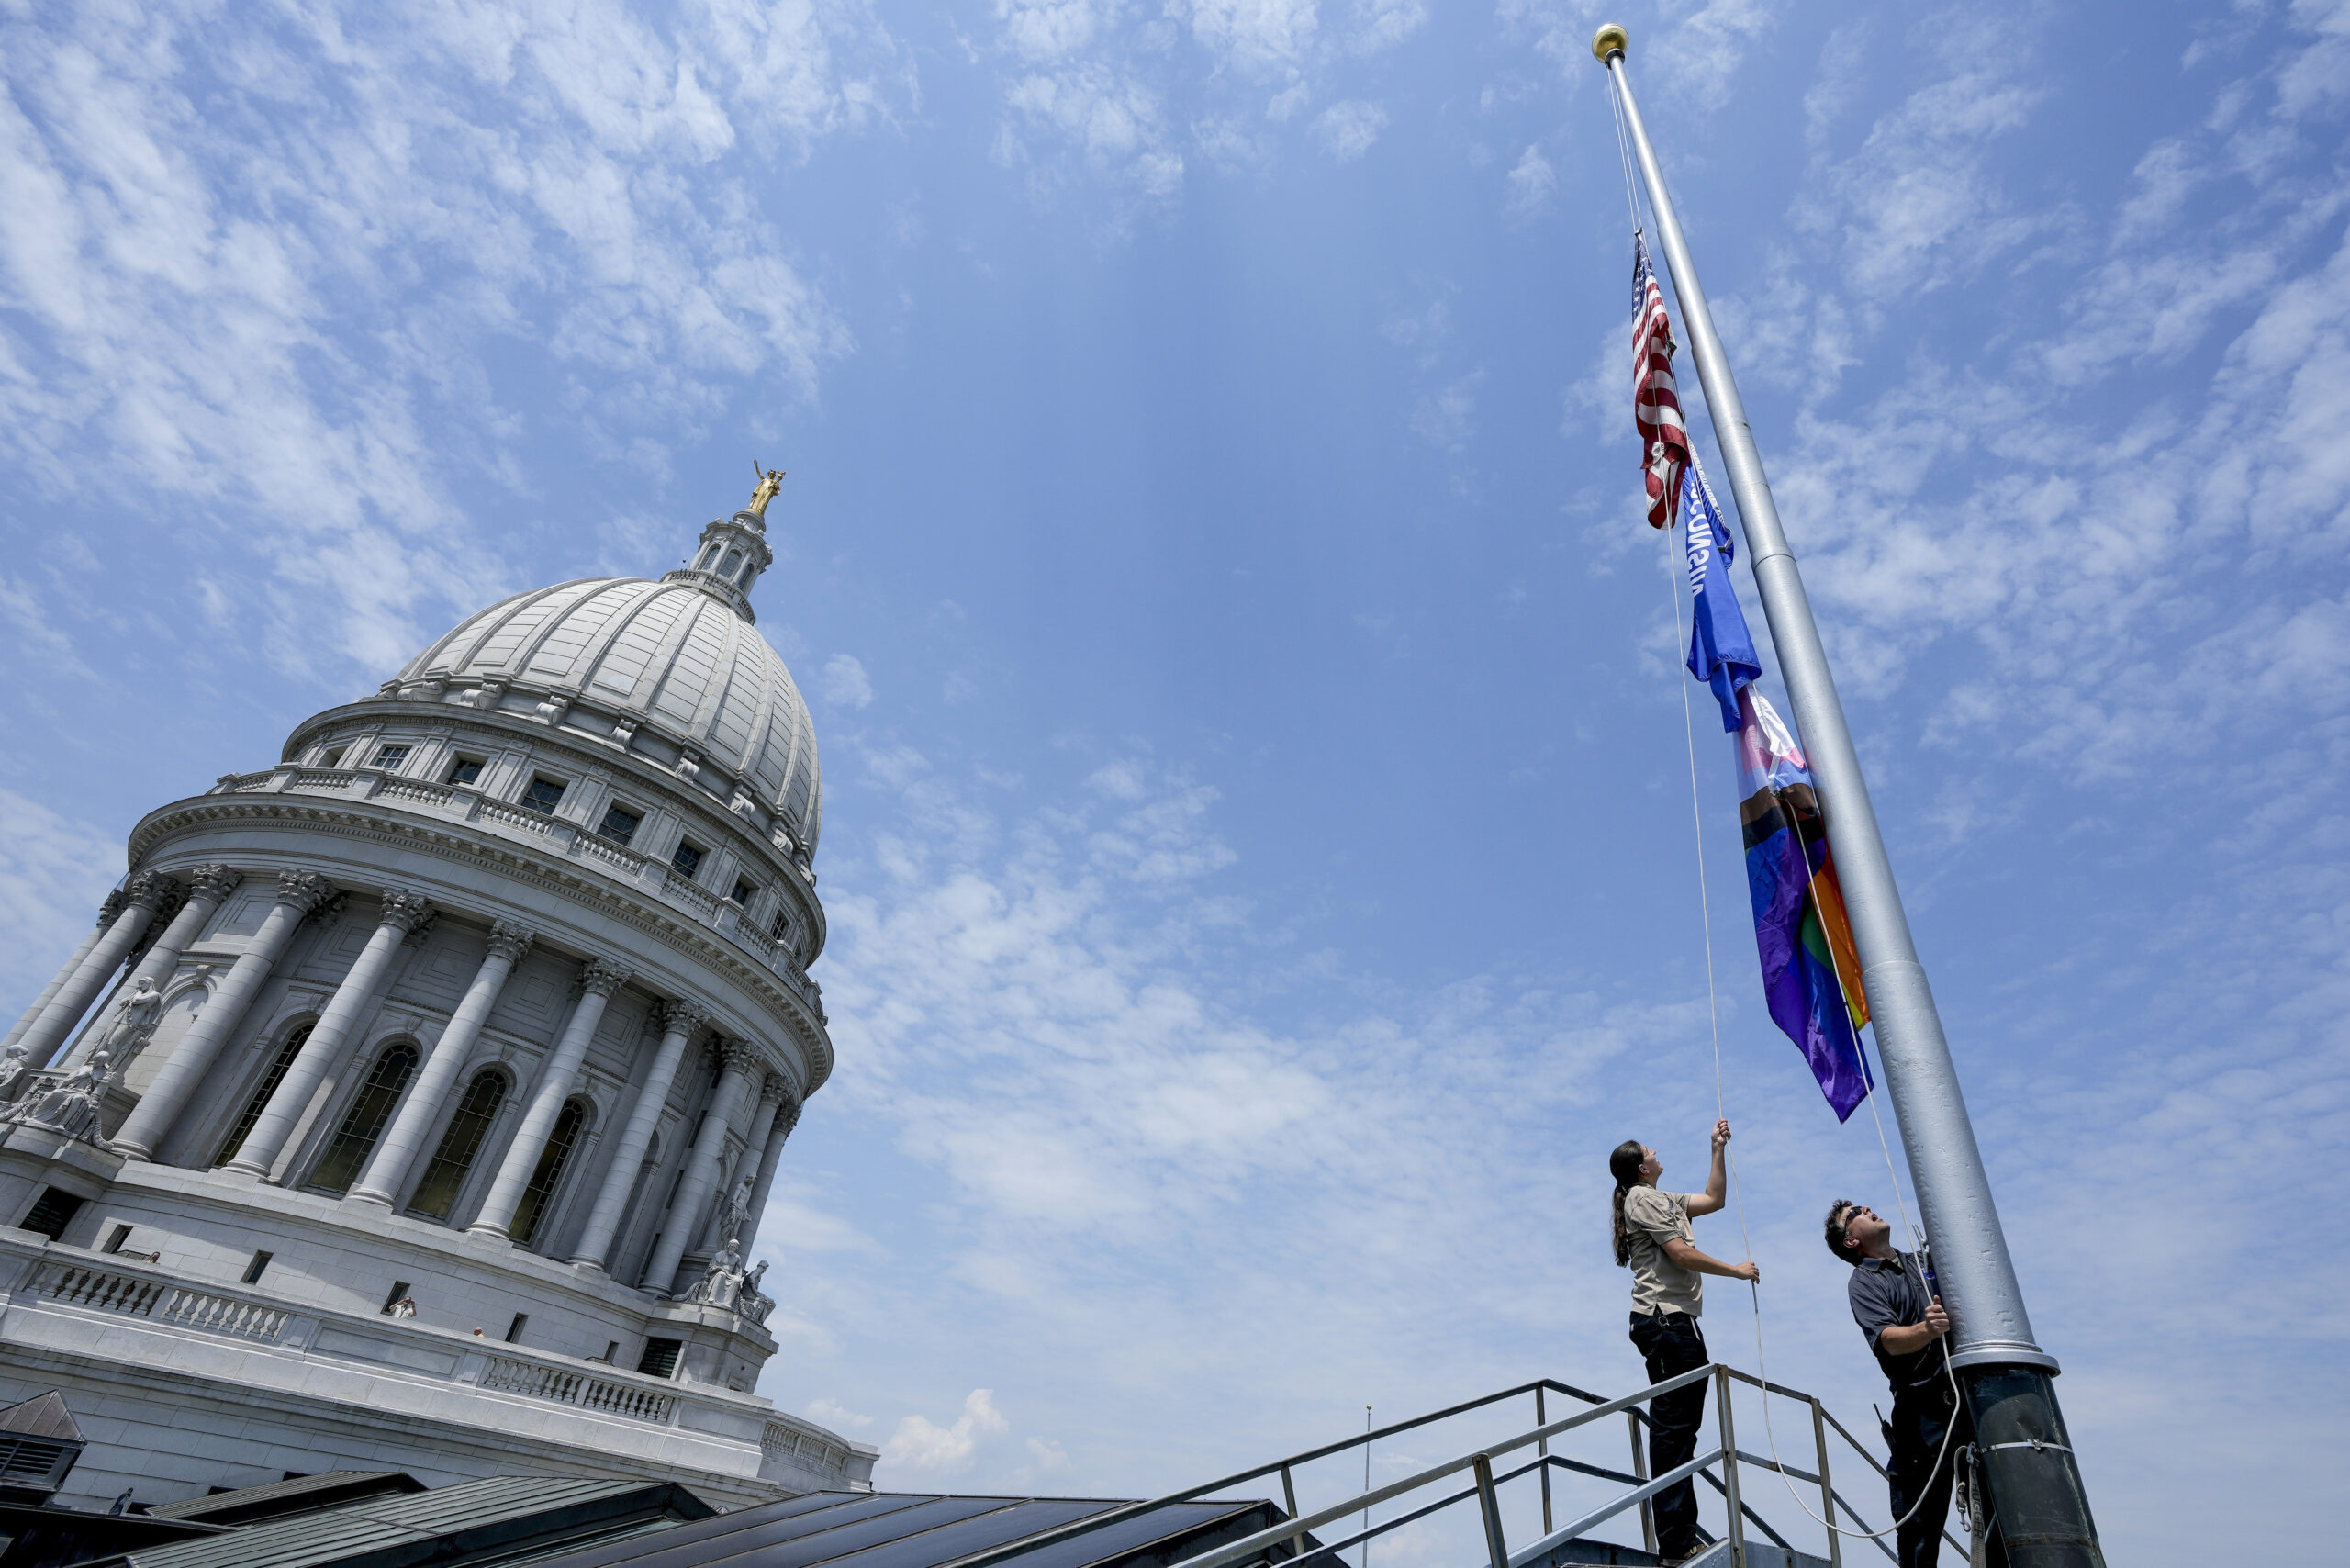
(1501,1474)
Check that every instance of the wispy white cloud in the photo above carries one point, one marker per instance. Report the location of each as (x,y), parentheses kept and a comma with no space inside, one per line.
(1348,130)
(1444,419)
(1531,182)
(920,1444)
(1111,120)
(1098,88)
(844,683)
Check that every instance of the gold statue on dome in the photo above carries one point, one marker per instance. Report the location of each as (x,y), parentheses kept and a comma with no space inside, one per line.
(771,481)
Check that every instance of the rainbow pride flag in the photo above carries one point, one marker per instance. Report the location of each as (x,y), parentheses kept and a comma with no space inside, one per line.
(1811,972)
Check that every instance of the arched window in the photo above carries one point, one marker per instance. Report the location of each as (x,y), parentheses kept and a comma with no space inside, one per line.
(734,559)
(708,556)
(548,1175)
(743,577)
(348,1150)
(437,1193)
(261,1091)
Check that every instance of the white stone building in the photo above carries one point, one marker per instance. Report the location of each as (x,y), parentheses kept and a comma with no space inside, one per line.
(441,1063)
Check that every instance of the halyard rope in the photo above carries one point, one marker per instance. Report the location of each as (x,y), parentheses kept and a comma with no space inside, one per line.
(1738,1196)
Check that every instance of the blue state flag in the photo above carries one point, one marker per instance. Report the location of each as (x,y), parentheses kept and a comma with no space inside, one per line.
(1721,650)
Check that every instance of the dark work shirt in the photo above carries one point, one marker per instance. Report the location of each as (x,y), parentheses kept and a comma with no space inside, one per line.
(1887,1294)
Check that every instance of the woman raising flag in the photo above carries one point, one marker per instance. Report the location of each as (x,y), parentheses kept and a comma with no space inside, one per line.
(1652,1240)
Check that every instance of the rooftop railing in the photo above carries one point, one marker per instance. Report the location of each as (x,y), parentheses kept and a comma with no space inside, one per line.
(1437,1489)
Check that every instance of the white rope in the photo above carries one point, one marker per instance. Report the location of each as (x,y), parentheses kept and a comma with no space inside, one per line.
(1623,151)
(1737,1193)
(1713,1006)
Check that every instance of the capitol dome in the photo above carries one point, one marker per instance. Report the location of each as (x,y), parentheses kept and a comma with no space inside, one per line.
(417,1101)
(682,659)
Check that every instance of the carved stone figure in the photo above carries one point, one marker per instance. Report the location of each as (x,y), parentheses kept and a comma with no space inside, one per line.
(738,1207)
(14,1065)
(72,1107)
(754,1302)
(720,1284)
(134,1021)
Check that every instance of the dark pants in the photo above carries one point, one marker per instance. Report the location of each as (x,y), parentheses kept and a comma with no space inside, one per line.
(1920,1417)
(1671,1343)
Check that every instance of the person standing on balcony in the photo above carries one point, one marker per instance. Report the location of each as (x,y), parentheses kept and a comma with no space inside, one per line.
(1894,1302)
(1654,1239)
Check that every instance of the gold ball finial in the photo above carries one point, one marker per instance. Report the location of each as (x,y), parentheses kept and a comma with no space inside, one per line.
(1610,40)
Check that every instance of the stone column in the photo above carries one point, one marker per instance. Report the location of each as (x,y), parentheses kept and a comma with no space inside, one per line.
(108,912)
(353,1004)
(679,1020)
(387,1168)
(739,1061)
(73,998)
(298,892)
(598,981)
(209,889)
(769,1157)
(718,1232)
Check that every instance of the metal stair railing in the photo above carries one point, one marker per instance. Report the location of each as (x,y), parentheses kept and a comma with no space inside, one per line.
(1287,1542)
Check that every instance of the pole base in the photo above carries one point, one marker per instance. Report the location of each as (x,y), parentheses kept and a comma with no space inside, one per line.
(2039,1509)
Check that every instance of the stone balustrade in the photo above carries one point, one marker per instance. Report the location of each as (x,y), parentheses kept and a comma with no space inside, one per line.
(784,1440)
(540,1381)
(128,1295)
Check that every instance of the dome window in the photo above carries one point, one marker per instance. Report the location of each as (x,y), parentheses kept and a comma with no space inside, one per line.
(467,770)
(331,757)
(743,577)
(781,929)
(364,1124)
(620,823)
(687,858)
(261,1091)
(390,758)
(548,1174)
(706,557)
(544,795)
(437,1193)
(734,559)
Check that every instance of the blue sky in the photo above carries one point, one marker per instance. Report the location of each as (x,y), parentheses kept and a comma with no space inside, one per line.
(1257,837)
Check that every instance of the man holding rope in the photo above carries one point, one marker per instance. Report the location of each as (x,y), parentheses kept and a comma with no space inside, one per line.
(1903,1322)
(1652,1240)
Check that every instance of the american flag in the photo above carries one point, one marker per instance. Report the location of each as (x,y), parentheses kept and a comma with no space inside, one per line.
(1656,403)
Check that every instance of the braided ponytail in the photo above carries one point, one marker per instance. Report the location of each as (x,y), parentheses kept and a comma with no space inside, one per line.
(1624,1164)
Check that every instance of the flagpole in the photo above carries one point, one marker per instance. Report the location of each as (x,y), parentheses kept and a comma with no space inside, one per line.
(2035,1486)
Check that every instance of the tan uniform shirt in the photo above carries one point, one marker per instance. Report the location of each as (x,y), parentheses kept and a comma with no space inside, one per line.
(1660,1284)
